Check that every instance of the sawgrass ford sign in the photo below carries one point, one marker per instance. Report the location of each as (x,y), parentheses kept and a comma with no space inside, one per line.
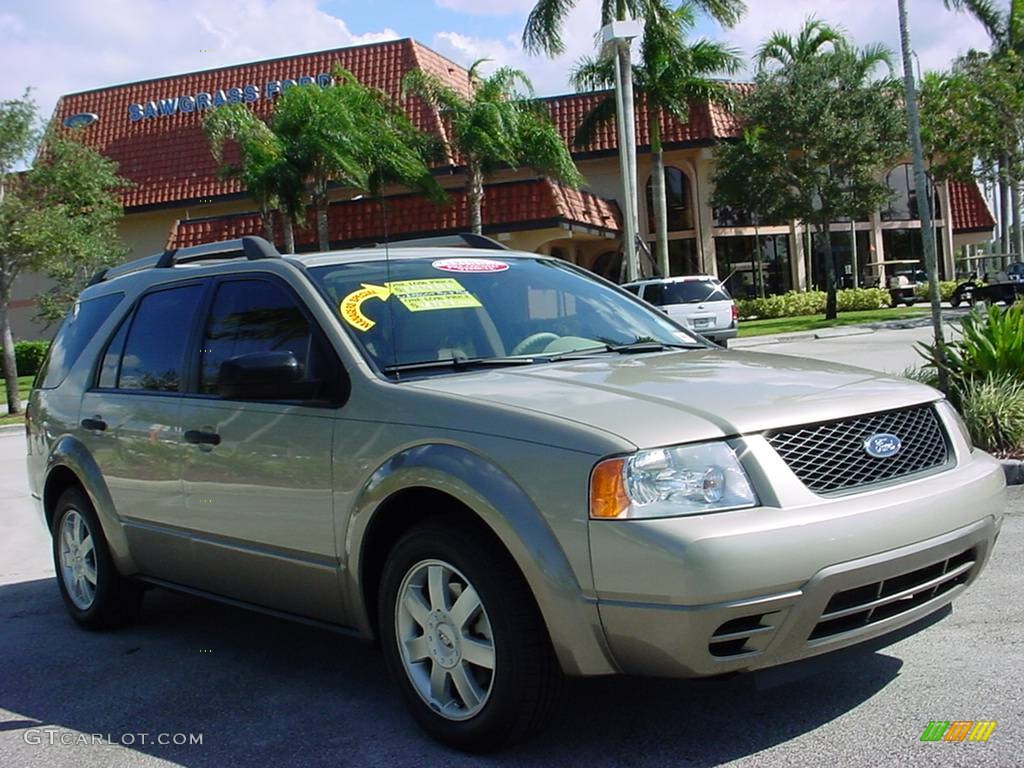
(196,102)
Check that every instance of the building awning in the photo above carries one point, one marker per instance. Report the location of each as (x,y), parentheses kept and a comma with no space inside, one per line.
(970,212)
(520,205)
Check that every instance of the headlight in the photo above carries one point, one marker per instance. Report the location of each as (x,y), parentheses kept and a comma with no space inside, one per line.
(665,482)
(960,423)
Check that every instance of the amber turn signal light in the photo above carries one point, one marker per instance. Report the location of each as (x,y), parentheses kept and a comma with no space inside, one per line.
(608,497)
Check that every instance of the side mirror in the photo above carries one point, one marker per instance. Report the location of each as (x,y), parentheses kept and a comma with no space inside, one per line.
(264,376)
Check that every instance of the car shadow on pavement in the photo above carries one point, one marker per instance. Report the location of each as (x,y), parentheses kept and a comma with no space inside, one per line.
(262,691)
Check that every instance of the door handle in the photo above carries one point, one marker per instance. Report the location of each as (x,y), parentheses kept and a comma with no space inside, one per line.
(198,437)
(95,423)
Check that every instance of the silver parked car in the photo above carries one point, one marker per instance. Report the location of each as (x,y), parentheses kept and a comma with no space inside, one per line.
(497,465)
(698,302)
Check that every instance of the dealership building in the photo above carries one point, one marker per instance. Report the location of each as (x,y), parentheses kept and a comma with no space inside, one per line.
(153,130)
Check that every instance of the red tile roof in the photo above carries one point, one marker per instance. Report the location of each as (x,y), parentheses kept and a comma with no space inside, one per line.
(168,158)
(969,210)
(536,203)
(707,121)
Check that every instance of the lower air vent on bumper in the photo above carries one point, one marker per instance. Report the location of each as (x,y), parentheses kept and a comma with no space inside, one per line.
(743,636)
(859,607)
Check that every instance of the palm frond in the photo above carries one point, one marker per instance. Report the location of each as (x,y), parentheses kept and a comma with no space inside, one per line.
(591,74)
(542,33)
(989,14)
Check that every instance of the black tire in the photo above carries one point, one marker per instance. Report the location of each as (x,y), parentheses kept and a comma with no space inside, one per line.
(526,681)
(116,600)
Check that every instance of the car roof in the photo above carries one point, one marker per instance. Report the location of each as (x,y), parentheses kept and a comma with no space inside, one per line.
(676,279)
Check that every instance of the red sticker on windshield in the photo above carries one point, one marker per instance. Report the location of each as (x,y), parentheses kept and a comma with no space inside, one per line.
(469,265)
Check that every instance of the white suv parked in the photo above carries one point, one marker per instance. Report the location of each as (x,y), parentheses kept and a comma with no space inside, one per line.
(699,302)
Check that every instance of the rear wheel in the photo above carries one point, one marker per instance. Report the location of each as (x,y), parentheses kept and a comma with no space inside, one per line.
(95,594)
(464,639)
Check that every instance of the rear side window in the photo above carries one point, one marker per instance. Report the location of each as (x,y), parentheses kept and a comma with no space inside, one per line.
(74,334)
(250,316)
(685,292)
(154,349)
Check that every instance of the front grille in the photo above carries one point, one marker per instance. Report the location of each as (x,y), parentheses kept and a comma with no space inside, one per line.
(861,606)
(831,458)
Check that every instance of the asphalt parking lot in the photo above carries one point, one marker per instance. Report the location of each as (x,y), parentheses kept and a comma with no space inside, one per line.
(261,691)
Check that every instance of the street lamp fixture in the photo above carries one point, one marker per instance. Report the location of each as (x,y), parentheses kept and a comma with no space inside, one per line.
(616,38)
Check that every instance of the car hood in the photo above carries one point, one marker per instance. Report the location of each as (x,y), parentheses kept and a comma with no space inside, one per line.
(662,398)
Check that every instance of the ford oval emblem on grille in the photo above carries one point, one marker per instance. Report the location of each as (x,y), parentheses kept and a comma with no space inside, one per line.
(882,445)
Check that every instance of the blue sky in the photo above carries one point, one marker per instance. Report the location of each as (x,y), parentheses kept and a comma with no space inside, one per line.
(62,46)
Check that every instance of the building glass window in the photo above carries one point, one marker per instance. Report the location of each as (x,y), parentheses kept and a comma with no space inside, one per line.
(683,258)
(908,245)
(903,206)
(677,194)
(738,258)
(843,254)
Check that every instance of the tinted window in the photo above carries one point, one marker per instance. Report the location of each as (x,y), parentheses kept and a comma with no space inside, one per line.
(251,316)
(74,334)
(154,352)
(112,358)
(685,292)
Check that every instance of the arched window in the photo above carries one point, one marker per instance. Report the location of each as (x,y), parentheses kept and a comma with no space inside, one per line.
(903,206)
(677,194)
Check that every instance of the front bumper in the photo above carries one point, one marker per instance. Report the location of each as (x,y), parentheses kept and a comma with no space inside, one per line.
(713,594)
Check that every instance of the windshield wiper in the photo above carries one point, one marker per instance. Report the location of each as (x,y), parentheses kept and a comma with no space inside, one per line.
(636,348)
(457,363)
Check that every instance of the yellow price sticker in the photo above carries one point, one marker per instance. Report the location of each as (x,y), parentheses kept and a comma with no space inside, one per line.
(415,295)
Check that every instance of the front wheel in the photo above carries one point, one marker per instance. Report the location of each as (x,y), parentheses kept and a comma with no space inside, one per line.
(464,639)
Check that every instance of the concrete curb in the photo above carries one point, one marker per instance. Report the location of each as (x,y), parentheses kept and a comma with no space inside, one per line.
(10,429)
(1014,470)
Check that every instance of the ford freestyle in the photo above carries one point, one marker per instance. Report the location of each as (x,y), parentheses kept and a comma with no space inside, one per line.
(494,464)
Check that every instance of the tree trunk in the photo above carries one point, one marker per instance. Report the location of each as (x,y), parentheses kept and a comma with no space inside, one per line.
(921,188)
(320,201)
(831,299)
(1018,232)
(1004,204)
(659,197)
(288,229)
(10,367)
(267,216)
(475,197)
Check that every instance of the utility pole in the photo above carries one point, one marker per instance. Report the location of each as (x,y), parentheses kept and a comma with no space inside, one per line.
(616,39)
(924,203)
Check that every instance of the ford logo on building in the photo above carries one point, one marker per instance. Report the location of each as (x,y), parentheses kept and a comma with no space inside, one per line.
(882,446)
(81,120)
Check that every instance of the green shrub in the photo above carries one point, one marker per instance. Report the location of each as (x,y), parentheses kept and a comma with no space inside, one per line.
(993,409)
(991,343)
(29,356)
(796,304)
(946,288)
(923,374)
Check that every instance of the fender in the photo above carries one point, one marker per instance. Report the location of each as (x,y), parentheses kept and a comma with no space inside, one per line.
(572,619)
(70,453)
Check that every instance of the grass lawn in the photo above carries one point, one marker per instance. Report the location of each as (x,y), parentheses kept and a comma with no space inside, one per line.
(817,322)
(24,387)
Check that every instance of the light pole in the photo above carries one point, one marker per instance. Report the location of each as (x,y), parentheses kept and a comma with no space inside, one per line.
(615,39)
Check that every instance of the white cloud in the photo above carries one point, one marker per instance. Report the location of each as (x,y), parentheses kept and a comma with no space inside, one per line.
(488,7)
(937,35)
(549,76)
(91,45)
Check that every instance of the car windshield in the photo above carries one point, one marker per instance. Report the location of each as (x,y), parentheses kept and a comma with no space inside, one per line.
(423,310)
(685,292)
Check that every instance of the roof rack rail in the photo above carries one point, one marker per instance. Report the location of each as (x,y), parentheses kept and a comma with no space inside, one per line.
(458,239)
(253,248)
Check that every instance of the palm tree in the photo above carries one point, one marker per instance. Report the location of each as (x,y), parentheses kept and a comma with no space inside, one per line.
(672,74)
(1005,28)
(542,33)
(353,136)
(493,124)
(262,168)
